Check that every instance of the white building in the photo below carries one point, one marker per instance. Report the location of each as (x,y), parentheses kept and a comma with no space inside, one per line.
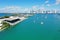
(1,24)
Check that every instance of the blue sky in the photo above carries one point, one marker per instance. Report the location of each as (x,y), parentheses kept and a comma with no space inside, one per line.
(24,3)
(48,4)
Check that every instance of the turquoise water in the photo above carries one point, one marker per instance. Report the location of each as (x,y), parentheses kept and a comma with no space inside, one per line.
(32,29)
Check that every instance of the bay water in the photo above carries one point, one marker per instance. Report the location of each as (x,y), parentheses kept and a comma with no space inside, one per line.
(36,27)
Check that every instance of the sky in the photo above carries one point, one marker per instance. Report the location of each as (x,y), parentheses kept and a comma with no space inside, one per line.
(20,5)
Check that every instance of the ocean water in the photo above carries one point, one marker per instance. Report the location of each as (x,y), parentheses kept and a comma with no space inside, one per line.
(37,27)
(5,14)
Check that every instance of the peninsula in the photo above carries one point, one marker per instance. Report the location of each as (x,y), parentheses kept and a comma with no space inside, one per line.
(7,21)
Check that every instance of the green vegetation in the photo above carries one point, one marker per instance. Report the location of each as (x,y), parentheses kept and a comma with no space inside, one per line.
(5,25)
(6,17)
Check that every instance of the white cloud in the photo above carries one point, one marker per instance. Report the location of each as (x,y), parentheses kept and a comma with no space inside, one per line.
(42,8)
(48,5)
(47,1)
(14,9)
(35,8)
(10,9)
(57,2)
(26,10)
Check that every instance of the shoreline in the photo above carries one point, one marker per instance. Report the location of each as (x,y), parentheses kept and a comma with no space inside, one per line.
(3,29)
(11,24)
(12,20)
